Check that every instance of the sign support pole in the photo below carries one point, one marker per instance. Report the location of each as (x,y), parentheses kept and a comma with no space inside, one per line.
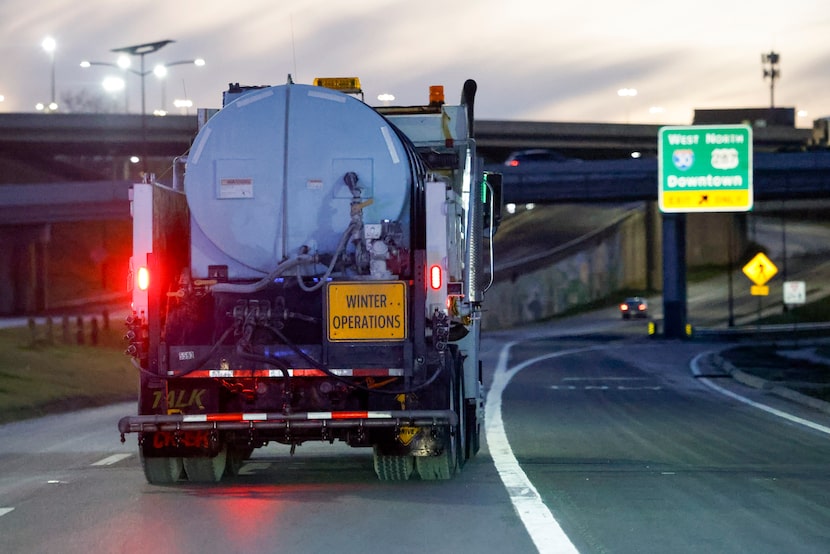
(674,275)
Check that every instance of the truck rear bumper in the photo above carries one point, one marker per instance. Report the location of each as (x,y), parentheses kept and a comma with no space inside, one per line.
(305,420)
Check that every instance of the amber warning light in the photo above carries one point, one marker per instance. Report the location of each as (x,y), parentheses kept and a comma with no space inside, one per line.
(143,278)
(436,95)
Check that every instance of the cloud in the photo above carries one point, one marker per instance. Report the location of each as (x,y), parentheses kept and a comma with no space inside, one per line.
(533,59)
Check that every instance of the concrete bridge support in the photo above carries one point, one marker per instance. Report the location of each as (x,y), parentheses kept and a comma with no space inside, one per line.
(23,268)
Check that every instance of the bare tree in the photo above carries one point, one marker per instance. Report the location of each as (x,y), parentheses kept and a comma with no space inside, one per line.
(86,101)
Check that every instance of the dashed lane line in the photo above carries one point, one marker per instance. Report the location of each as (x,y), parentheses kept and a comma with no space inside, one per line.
(4,511)
(110,460)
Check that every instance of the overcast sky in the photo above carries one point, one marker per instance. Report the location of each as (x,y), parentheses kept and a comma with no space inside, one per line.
(541,60)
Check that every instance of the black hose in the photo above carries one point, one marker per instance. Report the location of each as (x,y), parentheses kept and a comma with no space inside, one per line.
(325,369)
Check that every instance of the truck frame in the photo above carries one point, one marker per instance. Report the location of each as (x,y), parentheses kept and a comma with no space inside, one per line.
(371,338)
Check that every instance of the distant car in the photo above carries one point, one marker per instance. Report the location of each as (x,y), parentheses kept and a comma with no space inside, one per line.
(634,307)
(533,156)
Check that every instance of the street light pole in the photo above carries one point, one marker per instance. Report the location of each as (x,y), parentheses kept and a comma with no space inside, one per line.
(49,45)
(141,50)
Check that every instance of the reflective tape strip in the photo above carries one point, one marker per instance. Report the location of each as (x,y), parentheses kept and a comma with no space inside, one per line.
(349,415)
(207,418)
(276,373)
(218,373)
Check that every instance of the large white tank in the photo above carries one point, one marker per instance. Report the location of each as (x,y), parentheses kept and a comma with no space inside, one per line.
(264,177)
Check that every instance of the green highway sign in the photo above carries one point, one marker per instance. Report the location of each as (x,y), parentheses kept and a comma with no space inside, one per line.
(705,168)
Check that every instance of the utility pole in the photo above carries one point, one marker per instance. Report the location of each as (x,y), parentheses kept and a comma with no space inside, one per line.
(770,62)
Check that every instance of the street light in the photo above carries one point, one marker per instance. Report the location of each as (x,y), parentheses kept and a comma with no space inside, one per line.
(141,50)
(124,63)
(627,93)
(183,104)
(112,84)
(160,71)
(49,45)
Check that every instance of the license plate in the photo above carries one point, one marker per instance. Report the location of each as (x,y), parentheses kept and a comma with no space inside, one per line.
(373,311)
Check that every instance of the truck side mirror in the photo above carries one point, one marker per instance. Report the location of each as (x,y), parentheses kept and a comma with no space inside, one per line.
(492,199)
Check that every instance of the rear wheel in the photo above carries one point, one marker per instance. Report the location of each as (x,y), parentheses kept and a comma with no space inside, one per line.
(204,469)
(441,467)
(236,459)
(473,441)
(445,465)
(461,434)
(161,471)
(393,468)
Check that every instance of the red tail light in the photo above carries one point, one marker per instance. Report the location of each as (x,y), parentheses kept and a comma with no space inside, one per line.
(435,277)
(143,278)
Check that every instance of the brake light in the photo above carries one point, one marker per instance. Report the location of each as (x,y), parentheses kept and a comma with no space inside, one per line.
(435,277)
(514,163)
(143,278)
(624,307)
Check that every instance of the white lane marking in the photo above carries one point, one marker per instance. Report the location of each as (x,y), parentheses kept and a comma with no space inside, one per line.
(604,387)
(110,460)
(544,530)
(4,511)
(606,378)
(695,366)
(251,468)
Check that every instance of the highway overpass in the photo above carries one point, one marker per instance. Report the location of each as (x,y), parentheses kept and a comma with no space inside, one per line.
(74,167)
(88,154)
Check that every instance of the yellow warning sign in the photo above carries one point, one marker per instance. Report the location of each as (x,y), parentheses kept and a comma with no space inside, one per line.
(367,311)
(760,269)
(406,434)
(759,290)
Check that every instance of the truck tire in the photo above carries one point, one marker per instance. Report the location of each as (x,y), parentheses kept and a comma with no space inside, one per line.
(445,465)
(236,459)
(161,471)
(473,431)
(204,469)
(393,468)
(462,432)
(442,466)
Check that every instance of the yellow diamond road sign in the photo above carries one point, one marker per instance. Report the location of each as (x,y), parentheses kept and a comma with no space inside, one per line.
(760,269)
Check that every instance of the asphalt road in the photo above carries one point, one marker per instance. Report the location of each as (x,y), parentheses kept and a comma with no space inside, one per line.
(618,448)
(632,454)
(598,440)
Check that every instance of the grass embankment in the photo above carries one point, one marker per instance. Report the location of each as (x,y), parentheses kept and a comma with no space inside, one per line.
(814,312)
(39,375)
(771,363)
